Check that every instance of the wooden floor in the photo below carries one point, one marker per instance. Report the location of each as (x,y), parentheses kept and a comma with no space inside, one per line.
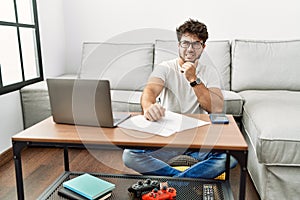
(41,167)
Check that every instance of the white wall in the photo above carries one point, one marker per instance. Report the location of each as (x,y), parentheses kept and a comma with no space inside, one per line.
(94,20)
(54,60)
(11,120)
(52,35)
(65,24)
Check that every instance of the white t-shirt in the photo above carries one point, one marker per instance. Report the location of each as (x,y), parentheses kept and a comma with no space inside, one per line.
(178,95)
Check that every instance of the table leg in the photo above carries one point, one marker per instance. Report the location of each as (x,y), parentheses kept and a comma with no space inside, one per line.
(17,148)
(243,176)
(66,158)
(242,157)
(227,167)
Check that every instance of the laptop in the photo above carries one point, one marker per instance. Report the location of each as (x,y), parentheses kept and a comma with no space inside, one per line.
(83,102)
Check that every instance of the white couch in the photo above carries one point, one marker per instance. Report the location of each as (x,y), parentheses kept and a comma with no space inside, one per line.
(128,66)
(260,86)
(266,75)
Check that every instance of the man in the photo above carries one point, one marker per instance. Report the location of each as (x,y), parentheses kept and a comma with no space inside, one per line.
(184,86)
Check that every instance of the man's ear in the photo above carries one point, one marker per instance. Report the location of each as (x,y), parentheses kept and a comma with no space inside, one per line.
(204,45)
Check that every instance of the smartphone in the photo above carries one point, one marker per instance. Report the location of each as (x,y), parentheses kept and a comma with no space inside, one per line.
(218,118)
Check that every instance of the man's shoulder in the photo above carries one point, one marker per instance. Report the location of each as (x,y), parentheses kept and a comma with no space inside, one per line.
(164,69)
(169,63)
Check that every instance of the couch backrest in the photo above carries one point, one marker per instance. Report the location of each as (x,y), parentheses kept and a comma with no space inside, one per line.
(265,65)
(216,54)
(126,66)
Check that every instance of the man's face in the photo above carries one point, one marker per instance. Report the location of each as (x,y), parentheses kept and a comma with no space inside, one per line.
(190,48)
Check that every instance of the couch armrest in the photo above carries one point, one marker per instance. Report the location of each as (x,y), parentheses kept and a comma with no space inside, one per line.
(233,103)
(35,102)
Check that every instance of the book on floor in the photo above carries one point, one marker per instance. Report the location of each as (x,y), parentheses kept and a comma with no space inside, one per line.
(89,186)
(69,194)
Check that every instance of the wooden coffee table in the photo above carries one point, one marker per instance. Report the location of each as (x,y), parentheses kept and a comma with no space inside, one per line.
(221,138)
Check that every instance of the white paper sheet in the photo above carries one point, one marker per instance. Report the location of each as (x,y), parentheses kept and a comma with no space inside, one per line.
(168,125)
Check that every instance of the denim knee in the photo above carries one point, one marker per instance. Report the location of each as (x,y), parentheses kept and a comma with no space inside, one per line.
(233,162)
(221,159)
(130,157)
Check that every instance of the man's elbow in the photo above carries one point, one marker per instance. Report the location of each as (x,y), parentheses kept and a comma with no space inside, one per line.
(217,107)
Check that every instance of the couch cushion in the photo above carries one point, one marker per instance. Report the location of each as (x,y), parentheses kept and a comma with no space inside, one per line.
(265,65)
(126,66)
(271,120)
(130,101)
(126,101)
(216,53)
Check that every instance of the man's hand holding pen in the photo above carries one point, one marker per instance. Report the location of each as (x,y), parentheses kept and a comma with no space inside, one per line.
(154,112)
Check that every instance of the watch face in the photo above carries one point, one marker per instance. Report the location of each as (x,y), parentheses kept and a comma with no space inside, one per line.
(198,81)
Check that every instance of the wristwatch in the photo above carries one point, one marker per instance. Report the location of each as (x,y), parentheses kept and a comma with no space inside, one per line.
(196,82)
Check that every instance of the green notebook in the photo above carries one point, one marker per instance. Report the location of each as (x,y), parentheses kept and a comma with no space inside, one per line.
(89,186)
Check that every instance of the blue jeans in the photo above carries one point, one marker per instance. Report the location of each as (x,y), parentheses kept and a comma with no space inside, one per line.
(153,162)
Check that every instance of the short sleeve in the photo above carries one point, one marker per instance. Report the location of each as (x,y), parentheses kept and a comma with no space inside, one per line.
(160,71)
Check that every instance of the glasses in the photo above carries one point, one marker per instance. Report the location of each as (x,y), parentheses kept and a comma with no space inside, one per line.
(186,44)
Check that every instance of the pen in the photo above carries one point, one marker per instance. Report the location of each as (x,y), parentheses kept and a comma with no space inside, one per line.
(158,100)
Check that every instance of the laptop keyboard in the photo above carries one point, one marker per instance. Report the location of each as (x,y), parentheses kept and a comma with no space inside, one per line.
(119,117)
(116,120)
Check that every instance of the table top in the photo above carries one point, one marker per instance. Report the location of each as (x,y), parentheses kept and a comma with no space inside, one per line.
(212,136)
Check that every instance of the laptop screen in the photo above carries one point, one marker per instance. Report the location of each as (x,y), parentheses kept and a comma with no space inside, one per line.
(81,102)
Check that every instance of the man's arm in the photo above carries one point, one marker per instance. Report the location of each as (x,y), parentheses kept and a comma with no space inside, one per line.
(152,110)
(210,99)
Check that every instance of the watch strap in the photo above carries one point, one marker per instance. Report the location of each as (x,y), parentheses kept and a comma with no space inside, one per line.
(196,82)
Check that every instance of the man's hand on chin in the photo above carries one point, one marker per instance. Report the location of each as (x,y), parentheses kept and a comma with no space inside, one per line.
(154,112)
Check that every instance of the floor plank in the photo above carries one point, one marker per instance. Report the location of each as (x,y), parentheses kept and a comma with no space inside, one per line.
(41,167)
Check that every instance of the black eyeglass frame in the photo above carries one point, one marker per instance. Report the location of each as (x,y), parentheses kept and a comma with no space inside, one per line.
(188,43)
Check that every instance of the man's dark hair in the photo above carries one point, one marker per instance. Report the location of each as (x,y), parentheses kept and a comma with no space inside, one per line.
(193,27)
